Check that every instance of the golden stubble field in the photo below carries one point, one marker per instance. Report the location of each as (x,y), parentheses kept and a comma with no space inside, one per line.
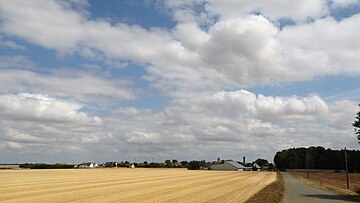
(130,185)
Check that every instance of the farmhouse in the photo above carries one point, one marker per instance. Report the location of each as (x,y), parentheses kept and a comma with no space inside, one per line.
(258,168)
(230,166)
(88,165)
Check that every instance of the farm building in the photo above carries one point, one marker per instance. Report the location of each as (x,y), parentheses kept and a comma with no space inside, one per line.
(230,166)
(258,168)
(88,165)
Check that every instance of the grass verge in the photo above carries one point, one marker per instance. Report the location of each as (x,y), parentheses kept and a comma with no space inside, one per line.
(331,188)
(272,193)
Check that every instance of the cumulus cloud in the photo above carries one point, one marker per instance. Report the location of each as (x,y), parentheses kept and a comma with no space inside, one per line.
(333,49)
(48,15)
(248,49)
(298,10)
(43,108)
(34,122)
(253,49)
(242,49)
(187,11)
(67,31)
(215,49)
(67,83)
(194,127)
(224,118)
(242,103)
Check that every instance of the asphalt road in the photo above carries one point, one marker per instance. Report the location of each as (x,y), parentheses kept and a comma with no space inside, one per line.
(299,192)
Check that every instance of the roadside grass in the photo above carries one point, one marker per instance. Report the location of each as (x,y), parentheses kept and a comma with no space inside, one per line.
(328,187)
(272,193)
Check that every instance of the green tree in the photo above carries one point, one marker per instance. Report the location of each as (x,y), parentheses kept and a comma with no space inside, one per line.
(168,164)
(193,165)
(261,162)
(184,163)
(356,125)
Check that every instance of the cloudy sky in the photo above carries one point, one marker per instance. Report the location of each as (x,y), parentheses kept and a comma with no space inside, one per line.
(164,79)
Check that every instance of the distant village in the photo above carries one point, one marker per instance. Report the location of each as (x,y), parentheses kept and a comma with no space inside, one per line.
(224,165)
(229,165)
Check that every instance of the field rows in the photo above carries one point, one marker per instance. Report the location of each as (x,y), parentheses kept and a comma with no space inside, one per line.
(130,185)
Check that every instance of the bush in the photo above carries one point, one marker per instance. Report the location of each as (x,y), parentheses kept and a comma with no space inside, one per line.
(357,190)
(193,165)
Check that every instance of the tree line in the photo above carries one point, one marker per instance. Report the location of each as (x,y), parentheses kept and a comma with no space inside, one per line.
(45,166)
(317,158)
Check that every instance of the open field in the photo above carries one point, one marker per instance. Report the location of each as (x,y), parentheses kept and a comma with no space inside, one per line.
(130,185)
(334,179)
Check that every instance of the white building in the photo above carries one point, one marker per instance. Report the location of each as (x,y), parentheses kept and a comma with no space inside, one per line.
(88,165)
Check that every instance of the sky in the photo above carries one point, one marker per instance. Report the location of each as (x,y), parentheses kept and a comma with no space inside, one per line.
(188,80)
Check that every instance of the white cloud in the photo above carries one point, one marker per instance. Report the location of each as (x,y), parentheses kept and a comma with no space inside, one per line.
(238,120)
(191,36)
(292,108)
(195,127)
(179,81)
(321,48)
(245,48)
(298,10)
(252,49)
(143,138)
(68,83)
(21,137)
(243,104)
(193,64)
(34,123)
(45,16)
(67,31)
(41,107)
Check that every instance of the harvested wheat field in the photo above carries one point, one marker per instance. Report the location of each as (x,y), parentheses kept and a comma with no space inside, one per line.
(130,185)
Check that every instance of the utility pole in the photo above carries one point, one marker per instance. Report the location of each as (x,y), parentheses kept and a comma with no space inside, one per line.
(290,164)
(307,163)
(347,171)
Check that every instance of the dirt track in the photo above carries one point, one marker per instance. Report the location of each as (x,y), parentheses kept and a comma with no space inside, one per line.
(130,185)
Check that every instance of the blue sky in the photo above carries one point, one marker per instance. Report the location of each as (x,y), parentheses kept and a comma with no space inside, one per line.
(194,79)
